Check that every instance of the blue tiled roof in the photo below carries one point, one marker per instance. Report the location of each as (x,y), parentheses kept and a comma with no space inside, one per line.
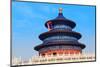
(60,16)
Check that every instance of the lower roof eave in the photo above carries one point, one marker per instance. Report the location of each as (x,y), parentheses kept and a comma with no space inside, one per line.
(37,48)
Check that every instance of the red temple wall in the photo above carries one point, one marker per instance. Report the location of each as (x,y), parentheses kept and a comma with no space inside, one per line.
(60,52)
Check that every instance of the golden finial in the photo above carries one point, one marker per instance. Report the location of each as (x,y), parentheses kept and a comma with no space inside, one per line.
(60,10)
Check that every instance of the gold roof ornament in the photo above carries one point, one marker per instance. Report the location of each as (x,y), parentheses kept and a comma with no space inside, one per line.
(60,10)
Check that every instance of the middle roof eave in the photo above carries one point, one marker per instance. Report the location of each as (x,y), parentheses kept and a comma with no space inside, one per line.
(60,32)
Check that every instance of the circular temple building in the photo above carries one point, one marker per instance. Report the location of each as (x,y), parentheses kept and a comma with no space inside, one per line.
(60,39)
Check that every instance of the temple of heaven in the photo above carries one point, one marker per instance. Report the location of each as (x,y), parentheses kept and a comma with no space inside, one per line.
(60,39)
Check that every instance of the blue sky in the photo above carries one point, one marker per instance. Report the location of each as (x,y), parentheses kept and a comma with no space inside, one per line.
(28,21)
